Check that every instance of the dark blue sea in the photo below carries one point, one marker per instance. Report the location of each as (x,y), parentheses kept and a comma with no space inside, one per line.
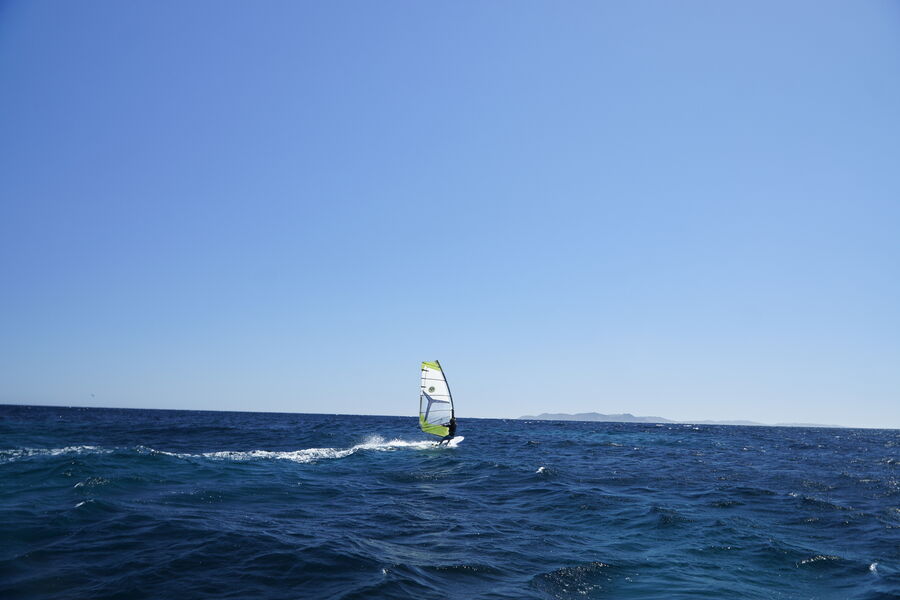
(130,504)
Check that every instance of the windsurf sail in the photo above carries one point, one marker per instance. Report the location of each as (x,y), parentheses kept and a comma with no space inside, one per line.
(435,401)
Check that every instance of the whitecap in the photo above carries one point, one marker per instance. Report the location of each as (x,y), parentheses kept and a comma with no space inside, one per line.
(308,455)
(148,450)
(818,558)
(13,454)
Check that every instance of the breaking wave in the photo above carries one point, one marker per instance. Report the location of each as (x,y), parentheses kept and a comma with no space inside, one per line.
(303,455)
(307,455)
(9,455)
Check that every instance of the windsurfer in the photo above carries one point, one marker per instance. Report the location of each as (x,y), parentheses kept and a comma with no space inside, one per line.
(452,431)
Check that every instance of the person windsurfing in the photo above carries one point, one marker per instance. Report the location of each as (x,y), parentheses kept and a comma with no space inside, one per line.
(451,426)
(436,414)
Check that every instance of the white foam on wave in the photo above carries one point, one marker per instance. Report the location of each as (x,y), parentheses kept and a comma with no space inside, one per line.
(819,558)
(148,450)
(10,455)
(308,455)
(304,455)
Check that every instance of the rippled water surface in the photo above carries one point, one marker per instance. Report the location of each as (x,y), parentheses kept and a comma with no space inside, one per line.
(104,503)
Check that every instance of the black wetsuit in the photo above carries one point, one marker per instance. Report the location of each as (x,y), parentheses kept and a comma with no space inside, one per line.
(452,431)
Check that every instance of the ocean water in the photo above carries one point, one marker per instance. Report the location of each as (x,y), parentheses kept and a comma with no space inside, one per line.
(130,504)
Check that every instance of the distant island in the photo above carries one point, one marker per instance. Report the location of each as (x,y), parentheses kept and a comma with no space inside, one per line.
(630,418)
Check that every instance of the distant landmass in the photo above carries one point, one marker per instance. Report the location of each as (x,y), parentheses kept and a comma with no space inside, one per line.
(630,418)
(620,418)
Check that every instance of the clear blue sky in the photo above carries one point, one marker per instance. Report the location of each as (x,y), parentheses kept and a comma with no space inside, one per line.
(683,209)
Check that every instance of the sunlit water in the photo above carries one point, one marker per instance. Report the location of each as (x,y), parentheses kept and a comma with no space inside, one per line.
(98,503)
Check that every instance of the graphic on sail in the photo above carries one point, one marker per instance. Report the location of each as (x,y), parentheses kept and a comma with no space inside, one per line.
(435,401)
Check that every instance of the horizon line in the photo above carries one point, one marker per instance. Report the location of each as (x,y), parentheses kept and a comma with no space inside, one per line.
(521,418)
